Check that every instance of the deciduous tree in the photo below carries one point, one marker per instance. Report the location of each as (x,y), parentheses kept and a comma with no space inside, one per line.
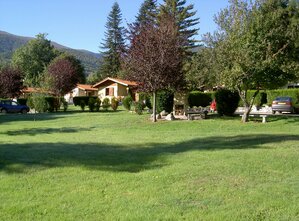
(61,76)
(77,65)
(33,58)
(11,82)
(155,57)
(201,70)
(257,46)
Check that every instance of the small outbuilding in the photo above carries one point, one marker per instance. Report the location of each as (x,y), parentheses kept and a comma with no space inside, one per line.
(81,90)
(180,103)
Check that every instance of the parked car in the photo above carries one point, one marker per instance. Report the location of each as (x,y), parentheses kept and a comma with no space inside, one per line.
(283,104)
(9,106)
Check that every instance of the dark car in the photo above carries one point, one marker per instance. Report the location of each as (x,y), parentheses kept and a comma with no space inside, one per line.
(9,106)
(283,104)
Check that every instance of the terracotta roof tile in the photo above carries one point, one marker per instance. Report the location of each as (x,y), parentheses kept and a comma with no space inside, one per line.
(116,80)
(86,87)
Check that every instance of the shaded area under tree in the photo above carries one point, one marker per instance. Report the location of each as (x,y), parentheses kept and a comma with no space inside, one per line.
(16,158)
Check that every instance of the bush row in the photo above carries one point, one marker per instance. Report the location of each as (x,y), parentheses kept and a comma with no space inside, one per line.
(164,100)
(78,100)
(94,103)
(42,103)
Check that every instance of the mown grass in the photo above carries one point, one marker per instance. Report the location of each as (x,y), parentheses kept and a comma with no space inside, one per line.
(120,166)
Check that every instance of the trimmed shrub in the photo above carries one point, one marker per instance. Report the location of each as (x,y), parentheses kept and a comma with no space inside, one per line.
(91,104)
(138,107)
(38,102)
(106,104)
(146,100)
(22,101)
(82,105)
(30,103)
(114,103)
(42,103)
(263,99)
(227,102)
(197,98)
(97,104)
(53,103)
(77,100)
(65,105)
(127,102)
(165,101)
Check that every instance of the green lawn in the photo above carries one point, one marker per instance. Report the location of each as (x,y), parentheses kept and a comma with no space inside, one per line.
(120,166)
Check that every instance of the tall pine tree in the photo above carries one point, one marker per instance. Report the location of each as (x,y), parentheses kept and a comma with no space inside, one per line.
(184,15)
(147,13)
(113,45)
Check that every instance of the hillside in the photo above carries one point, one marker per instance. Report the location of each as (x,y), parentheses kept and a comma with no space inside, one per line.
(9,43)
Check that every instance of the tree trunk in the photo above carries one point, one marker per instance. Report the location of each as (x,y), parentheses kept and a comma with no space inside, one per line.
(245,117)
(154,107)
(247,105)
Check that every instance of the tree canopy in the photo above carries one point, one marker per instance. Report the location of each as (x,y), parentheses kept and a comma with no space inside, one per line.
(147,13)
(33,58)
(11,82)
(256,46)
(62,75)
(155,57)
(184,17)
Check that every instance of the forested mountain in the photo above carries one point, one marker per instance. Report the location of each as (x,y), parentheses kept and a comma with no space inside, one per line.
(9,43)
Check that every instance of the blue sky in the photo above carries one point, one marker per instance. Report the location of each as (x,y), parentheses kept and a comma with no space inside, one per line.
(80,24)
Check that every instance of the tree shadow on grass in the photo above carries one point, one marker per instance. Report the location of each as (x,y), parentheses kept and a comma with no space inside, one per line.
(41,131)
(17,158)
(5,118)
(285,118)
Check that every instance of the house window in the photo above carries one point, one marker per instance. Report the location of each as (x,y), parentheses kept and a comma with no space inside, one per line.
(109,91)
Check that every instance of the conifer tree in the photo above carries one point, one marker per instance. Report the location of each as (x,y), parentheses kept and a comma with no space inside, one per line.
(113,44)
(147,13)
(184,15)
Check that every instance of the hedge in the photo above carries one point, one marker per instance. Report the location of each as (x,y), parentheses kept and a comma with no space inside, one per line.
(145,98)
(22,101)
(266,97)
(165,101)
(197,98)
(53,103)
(85,99)
(293,93)
(227,102)
(127,102)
